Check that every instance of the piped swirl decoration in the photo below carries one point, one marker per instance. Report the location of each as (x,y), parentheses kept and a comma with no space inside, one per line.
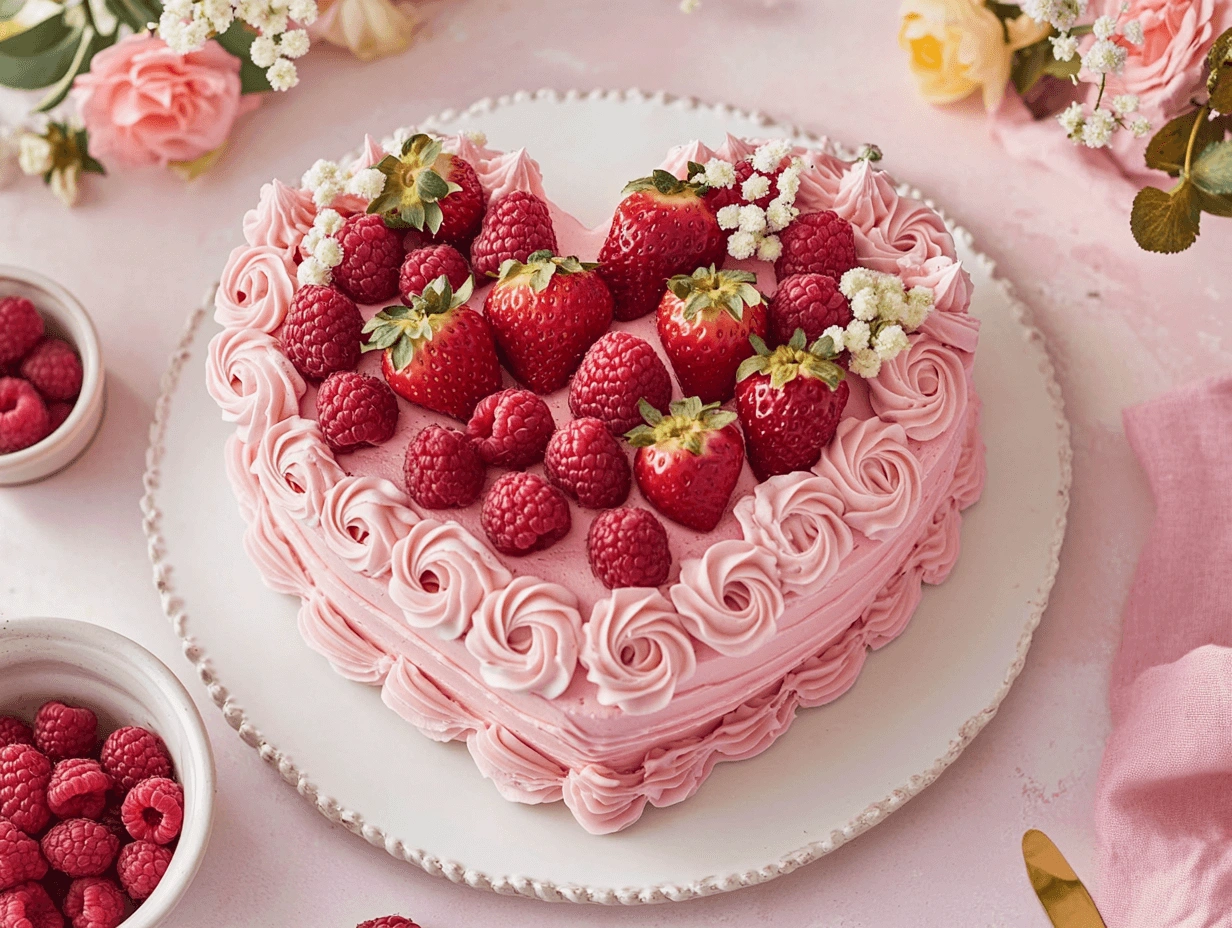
(440,575)
(907,236)
(296,468)
(409,692)
(348,650)
(281,218)
(256,288)
(602,800)
(636,650)
(798,517)
(251,380)
(923,389)
(875,474)
(525,637)
(729,598)
(520,773)
(362,518)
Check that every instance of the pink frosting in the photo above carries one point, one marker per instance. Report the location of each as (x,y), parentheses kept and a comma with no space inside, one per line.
(409,692)
(256,288)
(831,673)
(951,285)
(440,575)
(251,380)
(237,459)
(735,148)
(937,553)
(923,389)
(281,218)
(729,598)
(350,653)
(866,197)
(362,518)
(798,517)
(875,474)
(296,468)
(893,608)
(276,560)
(907,236)
(525,637)
(468,149)
(678,158)
(971,471)
(520,773)
(602,800)
(672,774)
(636,650)
(820,181)
(506,173)
(754,726)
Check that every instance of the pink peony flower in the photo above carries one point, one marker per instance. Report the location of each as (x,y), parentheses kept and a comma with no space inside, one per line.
(144,104)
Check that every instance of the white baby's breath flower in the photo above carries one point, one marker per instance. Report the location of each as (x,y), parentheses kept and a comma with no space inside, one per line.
(1098,129)
(328,252)
(789,180)
(180,9)
(1132,30)
(1072,119)
(752,218)
(837,336)
(865,363)
(304,12)
(1105,57)
(1140,127)
(34,155)
(1125,103)
(1104,27)
(919,305)
(864,304)
(767,157)
(367,184)
(698,178)
(219,13)
(1060,14)
(891,303)
(855,280)
(755,187)
(1064,47)
(312,273)
(729,217)
(313,239)
(856,337)
(742,245)
(294,44)
(263,51)
(780,215)
(476,136)
(769,248)
(393,144)
(720,173)
(891,341)
(329,221)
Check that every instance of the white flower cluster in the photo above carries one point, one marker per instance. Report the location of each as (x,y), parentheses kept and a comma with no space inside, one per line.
(186,25)
(885,311)
(1094,128)
(328,180)
(754,230)
(324,252)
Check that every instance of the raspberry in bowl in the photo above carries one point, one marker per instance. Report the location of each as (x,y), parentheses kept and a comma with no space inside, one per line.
(106,775)
(51,377)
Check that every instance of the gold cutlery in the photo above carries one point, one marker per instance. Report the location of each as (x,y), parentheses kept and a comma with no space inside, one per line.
(1061,893)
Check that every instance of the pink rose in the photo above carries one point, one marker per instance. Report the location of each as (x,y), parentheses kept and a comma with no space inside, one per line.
(144,104)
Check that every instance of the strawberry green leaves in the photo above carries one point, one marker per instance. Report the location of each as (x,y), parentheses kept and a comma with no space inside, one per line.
(708,291)
(787,362)
(685,426)
(668,184)
(402,329)
(539,269)
(413,186)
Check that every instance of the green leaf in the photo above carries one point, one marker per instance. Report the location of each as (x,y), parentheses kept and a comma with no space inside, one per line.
(136,14)
(432,216)
(1165,221)
(403,354)
(414,215)
(1215,205)
(1166,151)
(10,8)
(1036,61)
(1212,170)
(30,70)
(90,43)
(237,40)
(37,38)
(431,186)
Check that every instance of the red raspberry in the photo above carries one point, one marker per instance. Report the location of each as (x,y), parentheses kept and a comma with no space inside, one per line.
(23,416)
(112,820)
(24,775)
(29,906)
(806,301)
(388,921)
(371,260)
(62,731)
(356,409)
(54,369)
(80,847)
(424,265)
(94,902)
(21,327)
(618,370)
(56,414)
(322,332)
(20,857)
(443,469)
(133,754)
(141,866)
(516,226)
(511,428)
(14,731)
(585,461)
(524,513)
(78,788)
(153,810)
(628,547)
(817,243)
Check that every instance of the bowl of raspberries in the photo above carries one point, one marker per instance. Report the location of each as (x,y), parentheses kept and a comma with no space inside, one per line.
(51,377)
(106,779)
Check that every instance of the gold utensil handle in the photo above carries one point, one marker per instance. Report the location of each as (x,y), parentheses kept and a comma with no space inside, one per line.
(1061,893)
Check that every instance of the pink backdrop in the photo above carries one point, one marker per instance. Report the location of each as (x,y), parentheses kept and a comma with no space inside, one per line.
(1123,326)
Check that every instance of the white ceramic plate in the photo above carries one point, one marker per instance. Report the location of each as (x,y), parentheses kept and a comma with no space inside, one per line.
(839,770)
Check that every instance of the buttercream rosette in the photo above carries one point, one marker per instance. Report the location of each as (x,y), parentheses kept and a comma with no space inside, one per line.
(729,598)
(281,218)
(251,380)
(257,285)
(923,389)
(296,468)
(362,518)
(875,473)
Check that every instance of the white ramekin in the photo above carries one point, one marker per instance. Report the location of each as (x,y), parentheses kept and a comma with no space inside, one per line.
(66,318)
(88,665)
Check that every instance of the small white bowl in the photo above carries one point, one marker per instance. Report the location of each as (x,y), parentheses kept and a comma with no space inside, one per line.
(88,665)
(65,318)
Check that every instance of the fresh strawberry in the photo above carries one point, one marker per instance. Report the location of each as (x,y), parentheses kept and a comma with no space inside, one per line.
(688,461)
(429,190)
(544,315)
(789,401)
(515,226)
(661,228)
(438,352)
(705,320)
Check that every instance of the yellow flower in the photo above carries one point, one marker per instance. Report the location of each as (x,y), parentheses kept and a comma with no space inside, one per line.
(959,46)
(369,28)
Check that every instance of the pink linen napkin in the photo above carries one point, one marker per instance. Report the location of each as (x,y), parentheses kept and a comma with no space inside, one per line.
(1164,798)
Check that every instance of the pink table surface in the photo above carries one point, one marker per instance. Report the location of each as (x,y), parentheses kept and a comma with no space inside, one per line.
(1122,326)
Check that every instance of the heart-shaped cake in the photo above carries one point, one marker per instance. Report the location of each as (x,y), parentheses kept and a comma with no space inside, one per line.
(609,505)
